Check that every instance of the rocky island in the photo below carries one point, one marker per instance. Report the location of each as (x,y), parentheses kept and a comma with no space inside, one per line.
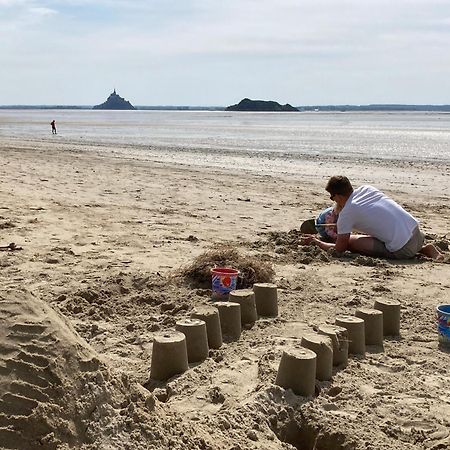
(261,105)
(115,101)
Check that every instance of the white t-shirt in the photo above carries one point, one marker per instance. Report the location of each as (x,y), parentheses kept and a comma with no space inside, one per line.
(370,211)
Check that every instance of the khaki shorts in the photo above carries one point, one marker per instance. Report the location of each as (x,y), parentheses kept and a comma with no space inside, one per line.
(408,251)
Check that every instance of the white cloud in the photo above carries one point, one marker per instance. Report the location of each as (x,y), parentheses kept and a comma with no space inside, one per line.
(9,3)
(334,47)
(42,11)
(20,15)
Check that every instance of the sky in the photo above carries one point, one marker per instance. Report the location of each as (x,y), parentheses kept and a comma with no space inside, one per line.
(217,52)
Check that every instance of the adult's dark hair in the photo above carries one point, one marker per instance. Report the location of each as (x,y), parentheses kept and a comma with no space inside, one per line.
(339,185)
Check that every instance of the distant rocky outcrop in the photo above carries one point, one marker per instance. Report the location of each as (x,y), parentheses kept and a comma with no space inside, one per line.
(115,101)
(261,105)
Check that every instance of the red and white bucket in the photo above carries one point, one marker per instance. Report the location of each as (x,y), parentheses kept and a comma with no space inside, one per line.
(224,280)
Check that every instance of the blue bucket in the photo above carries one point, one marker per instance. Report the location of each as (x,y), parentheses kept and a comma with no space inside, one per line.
(443,324)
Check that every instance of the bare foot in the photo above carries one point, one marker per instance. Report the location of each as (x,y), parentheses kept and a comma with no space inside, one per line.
(432,252)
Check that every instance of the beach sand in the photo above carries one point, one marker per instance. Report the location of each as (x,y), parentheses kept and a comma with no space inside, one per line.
(102,239)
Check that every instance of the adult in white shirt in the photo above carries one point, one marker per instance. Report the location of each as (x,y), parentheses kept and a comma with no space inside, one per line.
(388,230)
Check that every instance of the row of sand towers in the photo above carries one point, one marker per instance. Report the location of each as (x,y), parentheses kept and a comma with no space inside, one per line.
(208,327)
(299,367)
(331,344)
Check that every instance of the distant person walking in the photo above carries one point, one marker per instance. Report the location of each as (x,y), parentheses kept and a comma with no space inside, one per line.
(53,124)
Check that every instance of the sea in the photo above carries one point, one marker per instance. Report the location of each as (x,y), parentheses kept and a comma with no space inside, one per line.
(211,137)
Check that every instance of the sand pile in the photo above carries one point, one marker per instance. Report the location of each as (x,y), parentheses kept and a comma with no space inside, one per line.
(286,245)
(55,390)
(252,269)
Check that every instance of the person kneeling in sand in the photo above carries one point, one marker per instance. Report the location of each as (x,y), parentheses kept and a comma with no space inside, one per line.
(388,229)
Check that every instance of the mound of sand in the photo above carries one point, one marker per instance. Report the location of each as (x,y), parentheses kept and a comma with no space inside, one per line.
(55,390)
(252,269)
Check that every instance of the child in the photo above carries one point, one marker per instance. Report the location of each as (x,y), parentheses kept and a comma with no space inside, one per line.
(328,215)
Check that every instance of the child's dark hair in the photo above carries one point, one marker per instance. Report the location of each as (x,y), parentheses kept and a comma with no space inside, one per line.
(339,185)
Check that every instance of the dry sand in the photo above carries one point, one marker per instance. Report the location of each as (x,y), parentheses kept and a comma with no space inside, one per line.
(102,237)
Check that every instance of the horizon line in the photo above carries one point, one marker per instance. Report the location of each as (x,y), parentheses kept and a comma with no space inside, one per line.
(222,106)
